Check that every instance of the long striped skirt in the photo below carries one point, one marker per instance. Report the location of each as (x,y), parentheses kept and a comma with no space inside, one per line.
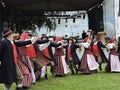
(59,70)
(113,64)
(25,68)
(88,64)
(43,60)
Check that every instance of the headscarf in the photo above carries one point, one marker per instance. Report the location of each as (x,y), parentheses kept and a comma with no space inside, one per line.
(85,40)
(112,40)
(58,39)
(24,36)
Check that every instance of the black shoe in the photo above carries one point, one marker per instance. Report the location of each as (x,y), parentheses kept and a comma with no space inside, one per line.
(52,71)
(19,88)
(73,72)
(95,71)
(24,88)
(33,83)
(59,75)
(100,68)
(76,71)
(38,79)
(46,77)
(53,74)
(56,75)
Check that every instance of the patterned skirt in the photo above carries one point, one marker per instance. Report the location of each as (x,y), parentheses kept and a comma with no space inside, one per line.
(88,64)
(113,64)
(59,70)
(25,68)
(43,60)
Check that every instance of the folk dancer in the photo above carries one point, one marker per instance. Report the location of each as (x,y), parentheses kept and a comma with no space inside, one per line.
(88,63)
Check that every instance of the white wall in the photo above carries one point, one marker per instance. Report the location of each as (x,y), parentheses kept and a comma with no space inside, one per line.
(109,18)
(117,19)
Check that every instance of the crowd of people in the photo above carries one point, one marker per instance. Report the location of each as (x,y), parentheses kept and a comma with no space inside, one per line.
(25,60)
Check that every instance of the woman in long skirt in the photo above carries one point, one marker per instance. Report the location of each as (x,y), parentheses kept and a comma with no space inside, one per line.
(61,67)
(25,62)
(27,71)
(113,64)
(36,57)
(88,64)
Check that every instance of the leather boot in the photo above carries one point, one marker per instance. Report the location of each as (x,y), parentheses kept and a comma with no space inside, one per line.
(72,72)
(46,77)
(100,67)
(19,88)
(52,70)
(76,71)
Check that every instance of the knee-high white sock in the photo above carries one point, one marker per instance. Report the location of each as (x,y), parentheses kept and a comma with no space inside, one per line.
(19,85)
(32,71)
(5,88)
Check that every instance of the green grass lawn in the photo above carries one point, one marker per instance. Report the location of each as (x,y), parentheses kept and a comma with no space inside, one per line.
(99,81)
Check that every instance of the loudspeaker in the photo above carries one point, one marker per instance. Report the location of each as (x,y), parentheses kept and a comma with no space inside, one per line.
(95,19)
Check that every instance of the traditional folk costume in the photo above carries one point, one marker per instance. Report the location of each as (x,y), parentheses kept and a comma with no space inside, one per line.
(25,63)
(45,62)
(25,66)
(37,58)
(46,50)
(88,62)
(113,62)
(35,62)
(97,46)
(32,54)
(9,70)
(71,56)
(61,67)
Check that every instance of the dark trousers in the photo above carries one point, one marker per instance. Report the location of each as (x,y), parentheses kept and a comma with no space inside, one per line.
(73,66)
(99,60)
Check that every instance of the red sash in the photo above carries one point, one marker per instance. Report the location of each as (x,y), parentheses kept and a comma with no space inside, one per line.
(45,52)
(15,53)
(95,50)
(31,51)
(69,52)
(23,51)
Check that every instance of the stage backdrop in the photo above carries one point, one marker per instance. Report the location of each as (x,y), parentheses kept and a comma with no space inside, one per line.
(117,18)
(95,19)
(109,18)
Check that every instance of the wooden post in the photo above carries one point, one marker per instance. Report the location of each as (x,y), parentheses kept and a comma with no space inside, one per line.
(89,33)
(102,35)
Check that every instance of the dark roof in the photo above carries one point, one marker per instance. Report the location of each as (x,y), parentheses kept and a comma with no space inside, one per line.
(50,5)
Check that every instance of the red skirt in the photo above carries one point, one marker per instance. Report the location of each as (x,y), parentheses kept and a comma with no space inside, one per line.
(84,66)
(59,70)
(25,68)
(43,60)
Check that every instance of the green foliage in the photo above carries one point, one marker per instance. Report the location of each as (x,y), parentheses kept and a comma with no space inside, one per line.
(18,22)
